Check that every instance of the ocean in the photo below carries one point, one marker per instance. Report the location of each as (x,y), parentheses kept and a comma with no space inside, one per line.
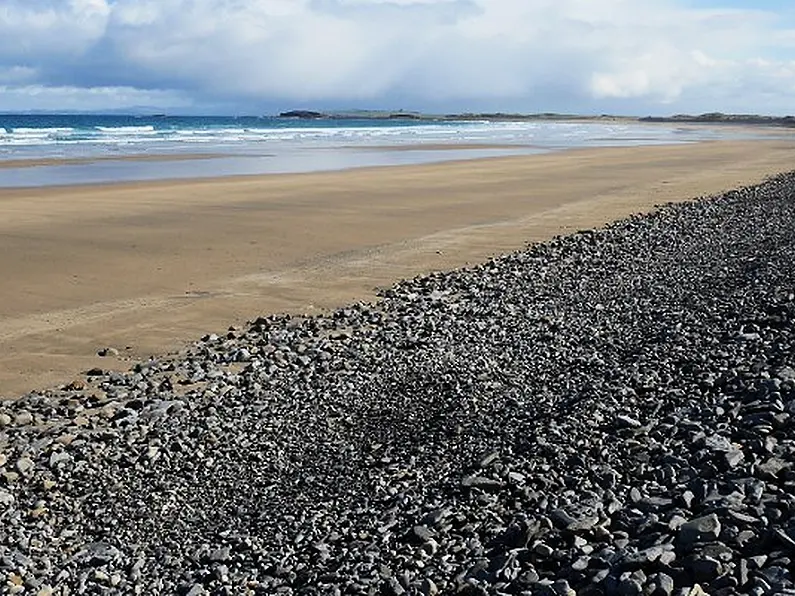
(228,146)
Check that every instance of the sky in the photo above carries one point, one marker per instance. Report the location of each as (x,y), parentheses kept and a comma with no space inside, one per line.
(633,57)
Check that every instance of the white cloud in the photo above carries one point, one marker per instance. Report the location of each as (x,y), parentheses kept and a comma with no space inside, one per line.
(16,98)
(517,54)
(38,30)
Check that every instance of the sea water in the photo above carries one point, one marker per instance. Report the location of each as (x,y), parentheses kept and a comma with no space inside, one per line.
(260,145)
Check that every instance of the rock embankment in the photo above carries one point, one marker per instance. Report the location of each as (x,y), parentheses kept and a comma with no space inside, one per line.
(607,413)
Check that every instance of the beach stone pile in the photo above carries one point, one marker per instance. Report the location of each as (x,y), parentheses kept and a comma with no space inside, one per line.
(607,413)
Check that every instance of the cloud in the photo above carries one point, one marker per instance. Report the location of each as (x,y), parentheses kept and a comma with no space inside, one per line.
(75,99)
(588,55)
(35,31)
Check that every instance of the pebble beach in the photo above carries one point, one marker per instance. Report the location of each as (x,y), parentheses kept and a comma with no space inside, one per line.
(607,412)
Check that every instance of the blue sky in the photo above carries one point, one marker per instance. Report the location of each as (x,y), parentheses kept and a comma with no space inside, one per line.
(261,56)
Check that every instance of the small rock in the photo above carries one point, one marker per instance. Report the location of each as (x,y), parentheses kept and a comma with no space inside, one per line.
(786,373)
(58,457)
(24,465)
(771,469)
(734,458)
(428,588)
(624,421)
(561,588)
(23,418)
(664,585)
(718,443)
(482,483)
(97,554)
(543,550)
(421,534)
(581,564)
(702,529)
(705,569)
(487,460)
(219,555)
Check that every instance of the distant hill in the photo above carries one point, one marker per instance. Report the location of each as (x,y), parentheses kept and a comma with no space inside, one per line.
(721,118)
(467,116)
(710,117)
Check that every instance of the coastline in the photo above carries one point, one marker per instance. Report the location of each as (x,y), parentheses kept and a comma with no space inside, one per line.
(171,157)
(153,265)
(227,149)
(72,161)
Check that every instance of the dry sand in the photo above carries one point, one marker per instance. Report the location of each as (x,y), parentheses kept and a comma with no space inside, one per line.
(147,267)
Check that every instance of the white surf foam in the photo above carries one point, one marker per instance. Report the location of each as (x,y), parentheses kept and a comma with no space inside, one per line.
(125,129)
(40,131)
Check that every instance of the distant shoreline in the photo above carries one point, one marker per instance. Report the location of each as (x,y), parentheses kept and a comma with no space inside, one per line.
(411,115)
(707,118)
(61,151)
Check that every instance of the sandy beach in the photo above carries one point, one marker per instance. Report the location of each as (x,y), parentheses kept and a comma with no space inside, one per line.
(146,267)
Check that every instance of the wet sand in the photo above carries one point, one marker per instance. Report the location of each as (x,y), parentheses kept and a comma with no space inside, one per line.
(77,161)
(449,147)
(146,267)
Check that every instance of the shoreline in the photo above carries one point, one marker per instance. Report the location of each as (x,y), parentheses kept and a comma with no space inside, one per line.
(168,157)
(155,265)
(451,147)
(237,166)
(250,159)
(35,162)
(514,152)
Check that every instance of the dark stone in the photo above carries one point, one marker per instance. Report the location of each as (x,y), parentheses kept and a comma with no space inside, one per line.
(482,483)
(701,529)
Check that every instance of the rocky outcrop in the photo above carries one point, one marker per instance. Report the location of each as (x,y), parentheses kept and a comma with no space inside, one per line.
(302,114)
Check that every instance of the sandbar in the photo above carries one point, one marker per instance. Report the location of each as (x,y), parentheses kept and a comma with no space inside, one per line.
(147,267)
